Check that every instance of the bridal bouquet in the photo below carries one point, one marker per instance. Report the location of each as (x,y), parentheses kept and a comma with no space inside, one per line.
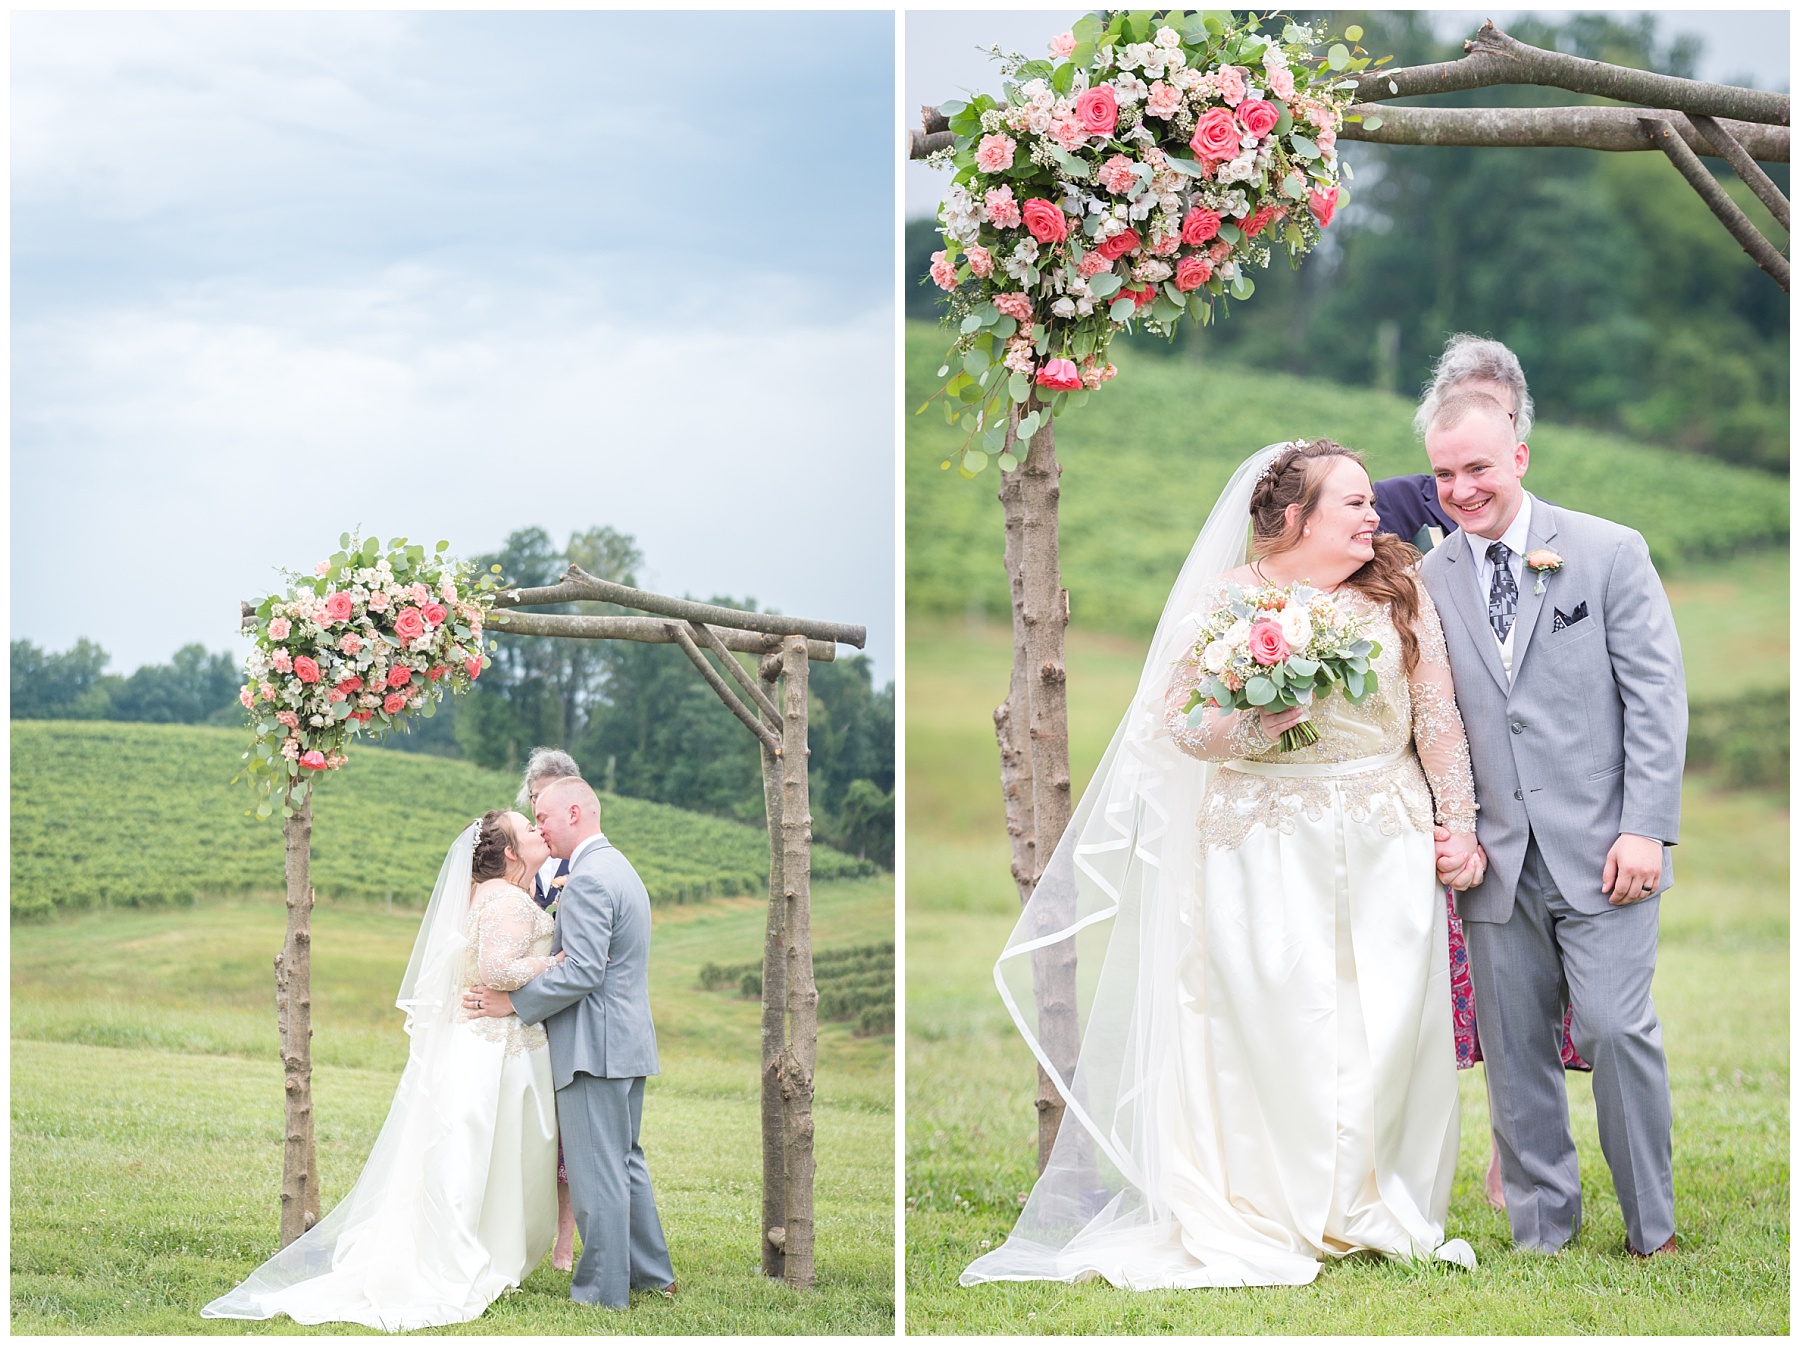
(369,638)
(1273,647)
(1134,177)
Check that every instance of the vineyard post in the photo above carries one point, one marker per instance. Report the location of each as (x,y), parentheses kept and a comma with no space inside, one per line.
(293,1014)
(801,1056)
(774,1015)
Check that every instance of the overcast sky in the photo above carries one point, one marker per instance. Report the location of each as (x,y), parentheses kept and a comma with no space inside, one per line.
(277,275)
(942,61)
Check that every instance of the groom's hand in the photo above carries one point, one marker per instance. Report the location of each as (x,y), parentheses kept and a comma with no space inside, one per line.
(1633,869)
(485,1003)
(1461,863)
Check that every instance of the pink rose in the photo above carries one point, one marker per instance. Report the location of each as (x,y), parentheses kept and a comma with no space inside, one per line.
(981,262)
(350,685)
(474,667)
(305,669)
(399,677)
(1257,222)
(1219,251)
(1062,45)
(1267,644)
(995,153)
(1014,305)
(435,673)
(338,607)
(279,628)
(283,662)
(1146,295)
(1120,244)
(394,704)
(1258,116)
(362,716)
(410,624)
(1164,100)
(1324,205)
(1046,221)
(1216,137)
(1098,110)
(313,760)
(942,272)
(1192,272)
(435,613)
(1060,375)
(1200,225)
(1002,210)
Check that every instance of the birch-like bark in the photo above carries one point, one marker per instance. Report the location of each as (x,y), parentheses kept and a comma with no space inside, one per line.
(293,991)
(1615,129)
(800,1056)
(774,1031)
(1038,697)
(1737,224)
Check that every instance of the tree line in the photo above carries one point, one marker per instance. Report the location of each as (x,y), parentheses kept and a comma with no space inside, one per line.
(1631,309)
(637,718)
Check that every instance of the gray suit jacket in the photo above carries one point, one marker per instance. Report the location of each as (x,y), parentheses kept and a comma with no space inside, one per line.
(596,1005)
(1589,739)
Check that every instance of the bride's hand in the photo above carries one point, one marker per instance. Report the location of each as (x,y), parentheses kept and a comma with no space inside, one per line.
(1277,722)
(559,957)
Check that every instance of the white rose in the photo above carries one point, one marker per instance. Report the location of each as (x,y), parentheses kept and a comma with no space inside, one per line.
(1167,38)
(1296,625)
(1216,656)
(1237,635)
(1064,307)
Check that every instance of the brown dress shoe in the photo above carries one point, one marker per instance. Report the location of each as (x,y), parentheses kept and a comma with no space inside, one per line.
(1668,1247)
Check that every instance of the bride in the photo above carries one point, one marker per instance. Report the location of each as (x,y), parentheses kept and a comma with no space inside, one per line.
(457,1201)
(1267,1073)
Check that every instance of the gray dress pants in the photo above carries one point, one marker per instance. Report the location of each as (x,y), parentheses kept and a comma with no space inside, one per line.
(622,1243)
(1522,969)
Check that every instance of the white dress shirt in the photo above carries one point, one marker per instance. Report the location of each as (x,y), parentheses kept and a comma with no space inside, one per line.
(1517,538)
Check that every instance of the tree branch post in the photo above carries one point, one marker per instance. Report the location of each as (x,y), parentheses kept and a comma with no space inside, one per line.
(774,1017)
(800,1057)
(1731,148)
(1762,252)
(293,1000)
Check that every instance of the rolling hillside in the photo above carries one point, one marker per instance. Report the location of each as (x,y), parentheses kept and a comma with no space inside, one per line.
(122,814)
(1144,459)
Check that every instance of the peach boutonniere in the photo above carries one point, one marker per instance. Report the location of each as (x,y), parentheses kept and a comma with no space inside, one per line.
(1543,563)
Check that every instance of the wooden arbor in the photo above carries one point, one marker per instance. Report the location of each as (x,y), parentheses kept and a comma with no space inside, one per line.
(790,1026)
(1683,119)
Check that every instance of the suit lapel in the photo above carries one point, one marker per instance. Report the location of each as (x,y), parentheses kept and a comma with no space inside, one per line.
(1471,605)
(1531,602)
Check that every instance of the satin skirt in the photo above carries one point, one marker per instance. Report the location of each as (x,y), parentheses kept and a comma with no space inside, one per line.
(1311,1106)
(456,1204)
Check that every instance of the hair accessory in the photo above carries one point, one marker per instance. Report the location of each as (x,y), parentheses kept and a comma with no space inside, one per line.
(477,832)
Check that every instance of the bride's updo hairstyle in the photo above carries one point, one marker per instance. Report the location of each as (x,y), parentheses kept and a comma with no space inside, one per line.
(1297,477)
(490,848)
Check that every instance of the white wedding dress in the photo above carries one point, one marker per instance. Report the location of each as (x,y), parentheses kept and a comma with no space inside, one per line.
(1267,1073)
(457,1202)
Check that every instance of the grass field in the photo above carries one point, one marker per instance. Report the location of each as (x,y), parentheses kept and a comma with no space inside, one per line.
(113,814)
(146,1118)
(1155,447)
(1721,989)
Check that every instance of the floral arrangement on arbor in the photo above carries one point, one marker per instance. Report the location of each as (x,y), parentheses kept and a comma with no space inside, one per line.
(1134,177)
(366,640)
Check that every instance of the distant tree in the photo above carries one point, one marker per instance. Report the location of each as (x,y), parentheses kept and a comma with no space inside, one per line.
(187,690)
(72,685)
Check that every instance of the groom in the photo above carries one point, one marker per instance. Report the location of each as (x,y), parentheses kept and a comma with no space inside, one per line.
(1568,676)
(596,1009)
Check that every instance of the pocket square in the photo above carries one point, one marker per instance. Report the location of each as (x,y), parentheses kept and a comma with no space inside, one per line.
(1567,619)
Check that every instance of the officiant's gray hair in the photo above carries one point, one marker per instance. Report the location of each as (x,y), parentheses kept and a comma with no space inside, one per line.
(543,766)
(1467,358)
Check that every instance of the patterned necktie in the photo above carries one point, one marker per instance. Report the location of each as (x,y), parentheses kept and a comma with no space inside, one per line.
(1503,594)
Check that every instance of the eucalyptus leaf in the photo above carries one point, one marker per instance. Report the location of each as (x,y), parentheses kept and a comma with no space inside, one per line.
(1338,57)
(1007,462)
(1304,147)
(970,324)
(1105,287)
(1122,310)
(1005,328)
(1019,386)
(1259,691)
(1372,122)
(974,460)
(1243,287)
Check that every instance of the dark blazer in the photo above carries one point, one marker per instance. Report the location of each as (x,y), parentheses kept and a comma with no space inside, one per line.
(1409,510)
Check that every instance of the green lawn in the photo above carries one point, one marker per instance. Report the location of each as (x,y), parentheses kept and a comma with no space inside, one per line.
(146,1114)
(1722,990)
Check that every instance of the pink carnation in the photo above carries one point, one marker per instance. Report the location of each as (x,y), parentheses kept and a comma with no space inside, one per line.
(420,594)
(244,695)
(1068,133)
(268,691)
(1093,263)
(290,748)
(981,262)
(1219,251)
(1166,246)
(1062,45)
(1117,175)
(942,272)
(351,643)
(1019,355)
(1002,210)
(322,569)
(1231,84)
(995,153)
(1164,100)
(279,628)
(287,717)
(378,601)
(1281,81)
(1014,305)
(283,662)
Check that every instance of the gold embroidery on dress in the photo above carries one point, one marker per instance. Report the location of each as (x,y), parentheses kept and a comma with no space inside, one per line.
(509,943)
(1433,783)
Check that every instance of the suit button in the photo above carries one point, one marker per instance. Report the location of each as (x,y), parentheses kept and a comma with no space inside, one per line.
(1518,794)
(1518,728)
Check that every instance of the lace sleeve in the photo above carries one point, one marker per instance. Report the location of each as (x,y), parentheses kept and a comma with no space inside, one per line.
(1221,735)
(1437,726)
(507,929)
